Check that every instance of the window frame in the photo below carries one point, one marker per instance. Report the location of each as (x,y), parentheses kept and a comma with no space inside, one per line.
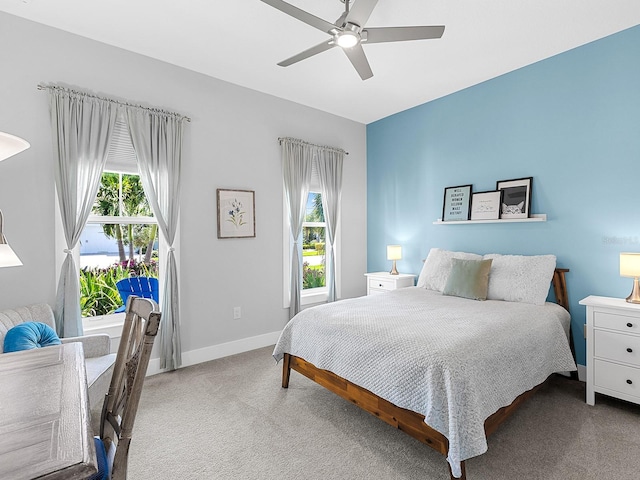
(116,320)
(318,292)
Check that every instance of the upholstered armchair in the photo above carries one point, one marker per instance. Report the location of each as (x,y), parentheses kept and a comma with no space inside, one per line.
(99,360)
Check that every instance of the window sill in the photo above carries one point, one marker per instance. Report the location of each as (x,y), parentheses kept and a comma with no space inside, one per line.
(111,324)
(313,295)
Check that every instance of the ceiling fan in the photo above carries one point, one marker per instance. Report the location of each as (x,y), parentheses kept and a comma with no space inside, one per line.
(349,33)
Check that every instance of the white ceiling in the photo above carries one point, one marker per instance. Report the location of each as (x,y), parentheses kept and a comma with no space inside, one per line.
(241,41)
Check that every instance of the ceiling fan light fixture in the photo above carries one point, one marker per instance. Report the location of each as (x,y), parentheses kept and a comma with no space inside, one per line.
(347,39)
(349,32)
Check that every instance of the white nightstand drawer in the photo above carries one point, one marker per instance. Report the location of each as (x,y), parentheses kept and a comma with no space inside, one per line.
(618,378)
(382,284)
(617,346)
(376,291)
(624,323)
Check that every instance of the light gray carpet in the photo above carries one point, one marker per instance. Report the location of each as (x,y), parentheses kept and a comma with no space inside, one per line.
(230,419)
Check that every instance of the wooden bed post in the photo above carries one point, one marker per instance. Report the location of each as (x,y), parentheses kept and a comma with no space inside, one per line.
(464,472)
(560,287)
(286,370)
(562,298)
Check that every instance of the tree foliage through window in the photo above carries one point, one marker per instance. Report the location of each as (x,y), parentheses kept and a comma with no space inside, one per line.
(122,195)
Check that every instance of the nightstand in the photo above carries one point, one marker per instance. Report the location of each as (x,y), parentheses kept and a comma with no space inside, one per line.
(380,282)
(613,348)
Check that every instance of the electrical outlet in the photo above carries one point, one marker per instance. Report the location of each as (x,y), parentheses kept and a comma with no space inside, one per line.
(237,313)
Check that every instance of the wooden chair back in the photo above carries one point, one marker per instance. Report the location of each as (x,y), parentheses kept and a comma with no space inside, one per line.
(141,324)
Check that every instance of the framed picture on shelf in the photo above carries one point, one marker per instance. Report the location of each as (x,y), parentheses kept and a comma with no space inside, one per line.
(457,203)
(486,205)
(236,213)
(516,197)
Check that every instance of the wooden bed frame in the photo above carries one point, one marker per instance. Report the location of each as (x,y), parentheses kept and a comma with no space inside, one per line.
(408,421)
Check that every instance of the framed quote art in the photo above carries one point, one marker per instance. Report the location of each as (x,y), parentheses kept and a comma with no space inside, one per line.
(457,203)
(516,197)
(236,213)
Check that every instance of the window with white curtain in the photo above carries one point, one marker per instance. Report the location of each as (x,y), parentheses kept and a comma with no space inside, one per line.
(120,238)
(314,273)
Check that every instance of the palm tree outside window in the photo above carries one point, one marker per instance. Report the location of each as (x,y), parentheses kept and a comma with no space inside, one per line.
(119,240)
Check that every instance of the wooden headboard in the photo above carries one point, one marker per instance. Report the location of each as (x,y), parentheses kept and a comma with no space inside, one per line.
(560,290)
(560,287)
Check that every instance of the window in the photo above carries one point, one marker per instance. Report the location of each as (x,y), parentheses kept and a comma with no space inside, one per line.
(121,236)
(119,240)
(307,170)
(313,259)
(313,246)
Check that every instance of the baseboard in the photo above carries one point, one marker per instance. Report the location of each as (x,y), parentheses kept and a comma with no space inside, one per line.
(193,357)
(213,352)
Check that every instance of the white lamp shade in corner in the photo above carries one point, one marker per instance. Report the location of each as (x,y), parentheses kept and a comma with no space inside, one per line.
(630,265)
(8,258)
(10,145)
(394,252)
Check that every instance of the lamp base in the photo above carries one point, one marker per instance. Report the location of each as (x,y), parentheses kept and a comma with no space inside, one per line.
(394,271)
(635,293)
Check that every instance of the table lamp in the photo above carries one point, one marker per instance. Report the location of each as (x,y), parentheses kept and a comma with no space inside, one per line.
(8,258)
(630,267)
(394,252)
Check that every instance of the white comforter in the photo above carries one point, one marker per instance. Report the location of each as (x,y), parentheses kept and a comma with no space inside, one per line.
(453,360)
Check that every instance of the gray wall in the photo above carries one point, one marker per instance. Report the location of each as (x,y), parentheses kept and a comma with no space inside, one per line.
(230,143)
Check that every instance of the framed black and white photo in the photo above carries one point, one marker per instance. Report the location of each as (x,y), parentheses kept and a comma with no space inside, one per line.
(486,205)
(457,203)
(516,197)
(236,213)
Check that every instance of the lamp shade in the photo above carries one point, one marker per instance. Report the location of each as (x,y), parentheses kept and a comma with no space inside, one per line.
(394,252)
(10,145)
(630,265)
(8,258)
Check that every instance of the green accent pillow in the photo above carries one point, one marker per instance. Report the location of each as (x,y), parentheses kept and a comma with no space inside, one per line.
(468,279)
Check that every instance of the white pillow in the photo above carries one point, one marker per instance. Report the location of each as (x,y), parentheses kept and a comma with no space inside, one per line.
(520,278)
(437,267)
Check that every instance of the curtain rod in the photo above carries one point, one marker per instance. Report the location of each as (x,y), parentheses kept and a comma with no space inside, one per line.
(302,142)
(125,104)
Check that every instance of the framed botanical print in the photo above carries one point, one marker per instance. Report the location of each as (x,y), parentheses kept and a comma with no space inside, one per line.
(236,213)
(457,203)
(516,197)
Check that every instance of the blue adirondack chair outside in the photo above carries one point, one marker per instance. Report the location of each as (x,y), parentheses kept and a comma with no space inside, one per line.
(146,287)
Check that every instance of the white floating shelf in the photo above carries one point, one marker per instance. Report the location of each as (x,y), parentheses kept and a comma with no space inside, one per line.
(536,217)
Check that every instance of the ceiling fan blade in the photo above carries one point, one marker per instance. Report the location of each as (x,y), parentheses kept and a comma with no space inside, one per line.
(359,61)
(301,15)
(360,12)
(401,34)
(308,53)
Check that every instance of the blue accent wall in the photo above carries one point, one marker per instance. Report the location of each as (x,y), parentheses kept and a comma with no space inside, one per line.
(572,122)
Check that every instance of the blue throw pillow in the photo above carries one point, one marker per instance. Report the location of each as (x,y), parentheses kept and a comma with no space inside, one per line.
(29,335)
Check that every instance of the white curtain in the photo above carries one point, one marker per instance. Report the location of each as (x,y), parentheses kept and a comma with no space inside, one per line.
(296,166)
(157,141)
(82,127)
(329,165)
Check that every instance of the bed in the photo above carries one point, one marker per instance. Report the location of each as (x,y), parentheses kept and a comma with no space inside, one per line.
(443,367)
